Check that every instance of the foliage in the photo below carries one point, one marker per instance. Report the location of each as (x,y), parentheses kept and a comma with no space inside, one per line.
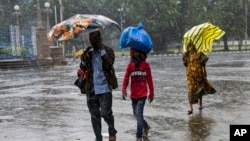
(24,51)
(6,50)
(166,21)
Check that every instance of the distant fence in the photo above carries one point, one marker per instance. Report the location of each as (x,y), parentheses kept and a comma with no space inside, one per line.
(231,43)
(16,43)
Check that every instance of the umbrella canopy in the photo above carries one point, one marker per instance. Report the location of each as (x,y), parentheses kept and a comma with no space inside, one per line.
(78,25)
(202,37)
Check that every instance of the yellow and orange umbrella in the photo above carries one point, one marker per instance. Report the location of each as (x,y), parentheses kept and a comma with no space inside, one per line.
(78,53)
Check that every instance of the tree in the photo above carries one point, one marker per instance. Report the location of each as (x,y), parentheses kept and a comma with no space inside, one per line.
(227,14)
(166,21)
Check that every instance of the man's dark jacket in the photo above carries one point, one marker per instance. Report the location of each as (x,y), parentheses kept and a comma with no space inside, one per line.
(107,63)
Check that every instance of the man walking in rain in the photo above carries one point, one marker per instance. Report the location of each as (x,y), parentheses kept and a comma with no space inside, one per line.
(97,61)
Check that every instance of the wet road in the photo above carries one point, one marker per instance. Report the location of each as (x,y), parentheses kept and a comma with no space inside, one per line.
(44,105)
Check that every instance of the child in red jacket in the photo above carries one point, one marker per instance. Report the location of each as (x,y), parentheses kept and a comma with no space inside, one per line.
(141,81)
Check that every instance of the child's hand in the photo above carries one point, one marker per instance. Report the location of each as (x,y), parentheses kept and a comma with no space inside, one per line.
(124,96)
(150,99)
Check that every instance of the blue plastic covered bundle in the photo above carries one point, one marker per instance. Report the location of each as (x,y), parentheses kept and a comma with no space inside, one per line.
(137,38)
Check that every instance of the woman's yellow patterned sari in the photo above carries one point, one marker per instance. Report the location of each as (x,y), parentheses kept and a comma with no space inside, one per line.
(197,82)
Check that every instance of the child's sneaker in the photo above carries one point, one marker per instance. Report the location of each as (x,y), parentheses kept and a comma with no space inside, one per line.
(112,138)
(139,139)
(145,131)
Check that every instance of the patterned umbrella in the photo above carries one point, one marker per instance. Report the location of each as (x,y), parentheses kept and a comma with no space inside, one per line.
(78,25)
(202,37)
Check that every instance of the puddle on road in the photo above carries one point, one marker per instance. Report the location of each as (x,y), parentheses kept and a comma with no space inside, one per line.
(45,105)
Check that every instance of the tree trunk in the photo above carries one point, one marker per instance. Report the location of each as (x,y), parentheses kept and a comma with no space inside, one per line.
(240,43)
(225,43)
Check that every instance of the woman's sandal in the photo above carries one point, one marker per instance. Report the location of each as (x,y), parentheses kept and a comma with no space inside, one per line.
(190,112)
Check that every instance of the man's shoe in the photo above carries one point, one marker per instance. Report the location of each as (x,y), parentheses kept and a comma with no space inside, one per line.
(145,131)
(112,138)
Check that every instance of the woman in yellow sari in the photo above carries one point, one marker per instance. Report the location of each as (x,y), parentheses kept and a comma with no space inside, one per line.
(198,85)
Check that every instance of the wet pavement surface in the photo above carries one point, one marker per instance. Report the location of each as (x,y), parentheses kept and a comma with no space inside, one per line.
(44,105)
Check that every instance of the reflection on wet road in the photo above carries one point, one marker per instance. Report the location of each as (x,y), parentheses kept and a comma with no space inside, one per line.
(44,105)
(199,127)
